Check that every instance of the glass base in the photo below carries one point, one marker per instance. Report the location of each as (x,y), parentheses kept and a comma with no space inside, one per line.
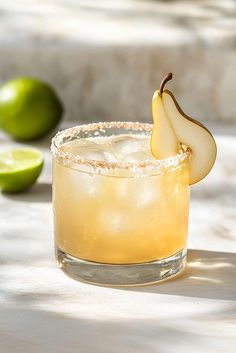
(120,275)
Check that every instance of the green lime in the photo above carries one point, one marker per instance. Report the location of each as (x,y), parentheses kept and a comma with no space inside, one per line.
(19,168)
(29,108)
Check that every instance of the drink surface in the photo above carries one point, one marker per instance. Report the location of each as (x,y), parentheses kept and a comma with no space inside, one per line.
(117,219)
(121,148)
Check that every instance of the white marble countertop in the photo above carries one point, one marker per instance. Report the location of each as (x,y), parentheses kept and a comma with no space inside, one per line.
(43,311)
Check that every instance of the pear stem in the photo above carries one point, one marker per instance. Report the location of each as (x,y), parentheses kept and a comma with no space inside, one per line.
(167,78)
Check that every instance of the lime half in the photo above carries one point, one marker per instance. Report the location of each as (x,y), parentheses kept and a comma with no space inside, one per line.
(19,168)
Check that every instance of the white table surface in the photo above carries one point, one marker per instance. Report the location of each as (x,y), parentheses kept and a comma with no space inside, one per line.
(44,311)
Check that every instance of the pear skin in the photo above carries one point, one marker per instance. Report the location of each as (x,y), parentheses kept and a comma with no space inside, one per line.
(193,134)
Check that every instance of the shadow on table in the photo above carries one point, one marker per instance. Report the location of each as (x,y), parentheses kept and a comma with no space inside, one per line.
(208,274)
(38,330)
(40,192)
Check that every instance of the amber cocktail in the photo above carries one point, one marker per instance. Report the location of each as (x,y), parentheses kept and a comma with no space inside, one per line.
(120,215)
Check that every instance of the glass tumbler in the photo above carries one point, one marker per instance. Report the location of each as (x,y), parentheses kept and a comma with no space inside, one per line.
(119,223)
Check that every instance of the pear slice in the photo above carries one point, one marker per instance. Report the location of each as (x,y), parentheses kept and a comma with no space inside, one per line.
(192,134)
(164,142)
(172,127)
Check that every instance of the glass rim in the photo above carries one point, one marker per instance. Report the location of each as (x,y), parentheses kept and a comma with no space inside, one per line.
(77,161)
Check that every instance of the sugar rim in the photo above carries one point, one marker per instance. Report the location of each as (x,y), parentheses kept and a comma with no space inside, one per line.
(172,161)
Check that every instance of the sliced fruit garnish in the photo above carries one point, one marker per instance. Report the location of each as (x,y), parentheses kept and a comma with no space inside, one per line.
(164,142)
(19,168)
(180,129)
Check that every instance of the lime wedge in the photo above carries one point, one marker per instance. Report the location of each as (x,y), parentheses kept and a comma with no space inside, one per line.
(19,168)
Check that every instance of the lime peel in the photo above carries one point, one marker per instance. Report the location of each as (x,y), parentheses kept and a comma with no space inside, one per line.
(29,108)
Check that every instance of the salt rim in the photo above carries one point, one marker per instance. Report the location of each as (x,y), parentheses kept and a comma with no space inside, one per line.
(67,157)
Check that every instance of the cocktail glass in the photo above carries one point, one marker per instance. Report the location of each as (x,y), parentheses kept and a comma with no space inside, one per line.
(118,223)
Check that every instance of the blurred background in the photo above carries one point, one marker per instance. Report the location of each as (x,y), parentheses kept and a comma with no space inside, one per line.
(106,58)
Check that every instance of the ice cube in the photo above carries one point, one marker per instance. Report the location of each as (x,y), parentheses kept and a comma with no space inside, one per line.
(123,145)
(145,196)
(110,157)
(88,149)
(84,184)
(139,156)
(112,221)
(150,191)
(139,192)
(96,154)
(77,146)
